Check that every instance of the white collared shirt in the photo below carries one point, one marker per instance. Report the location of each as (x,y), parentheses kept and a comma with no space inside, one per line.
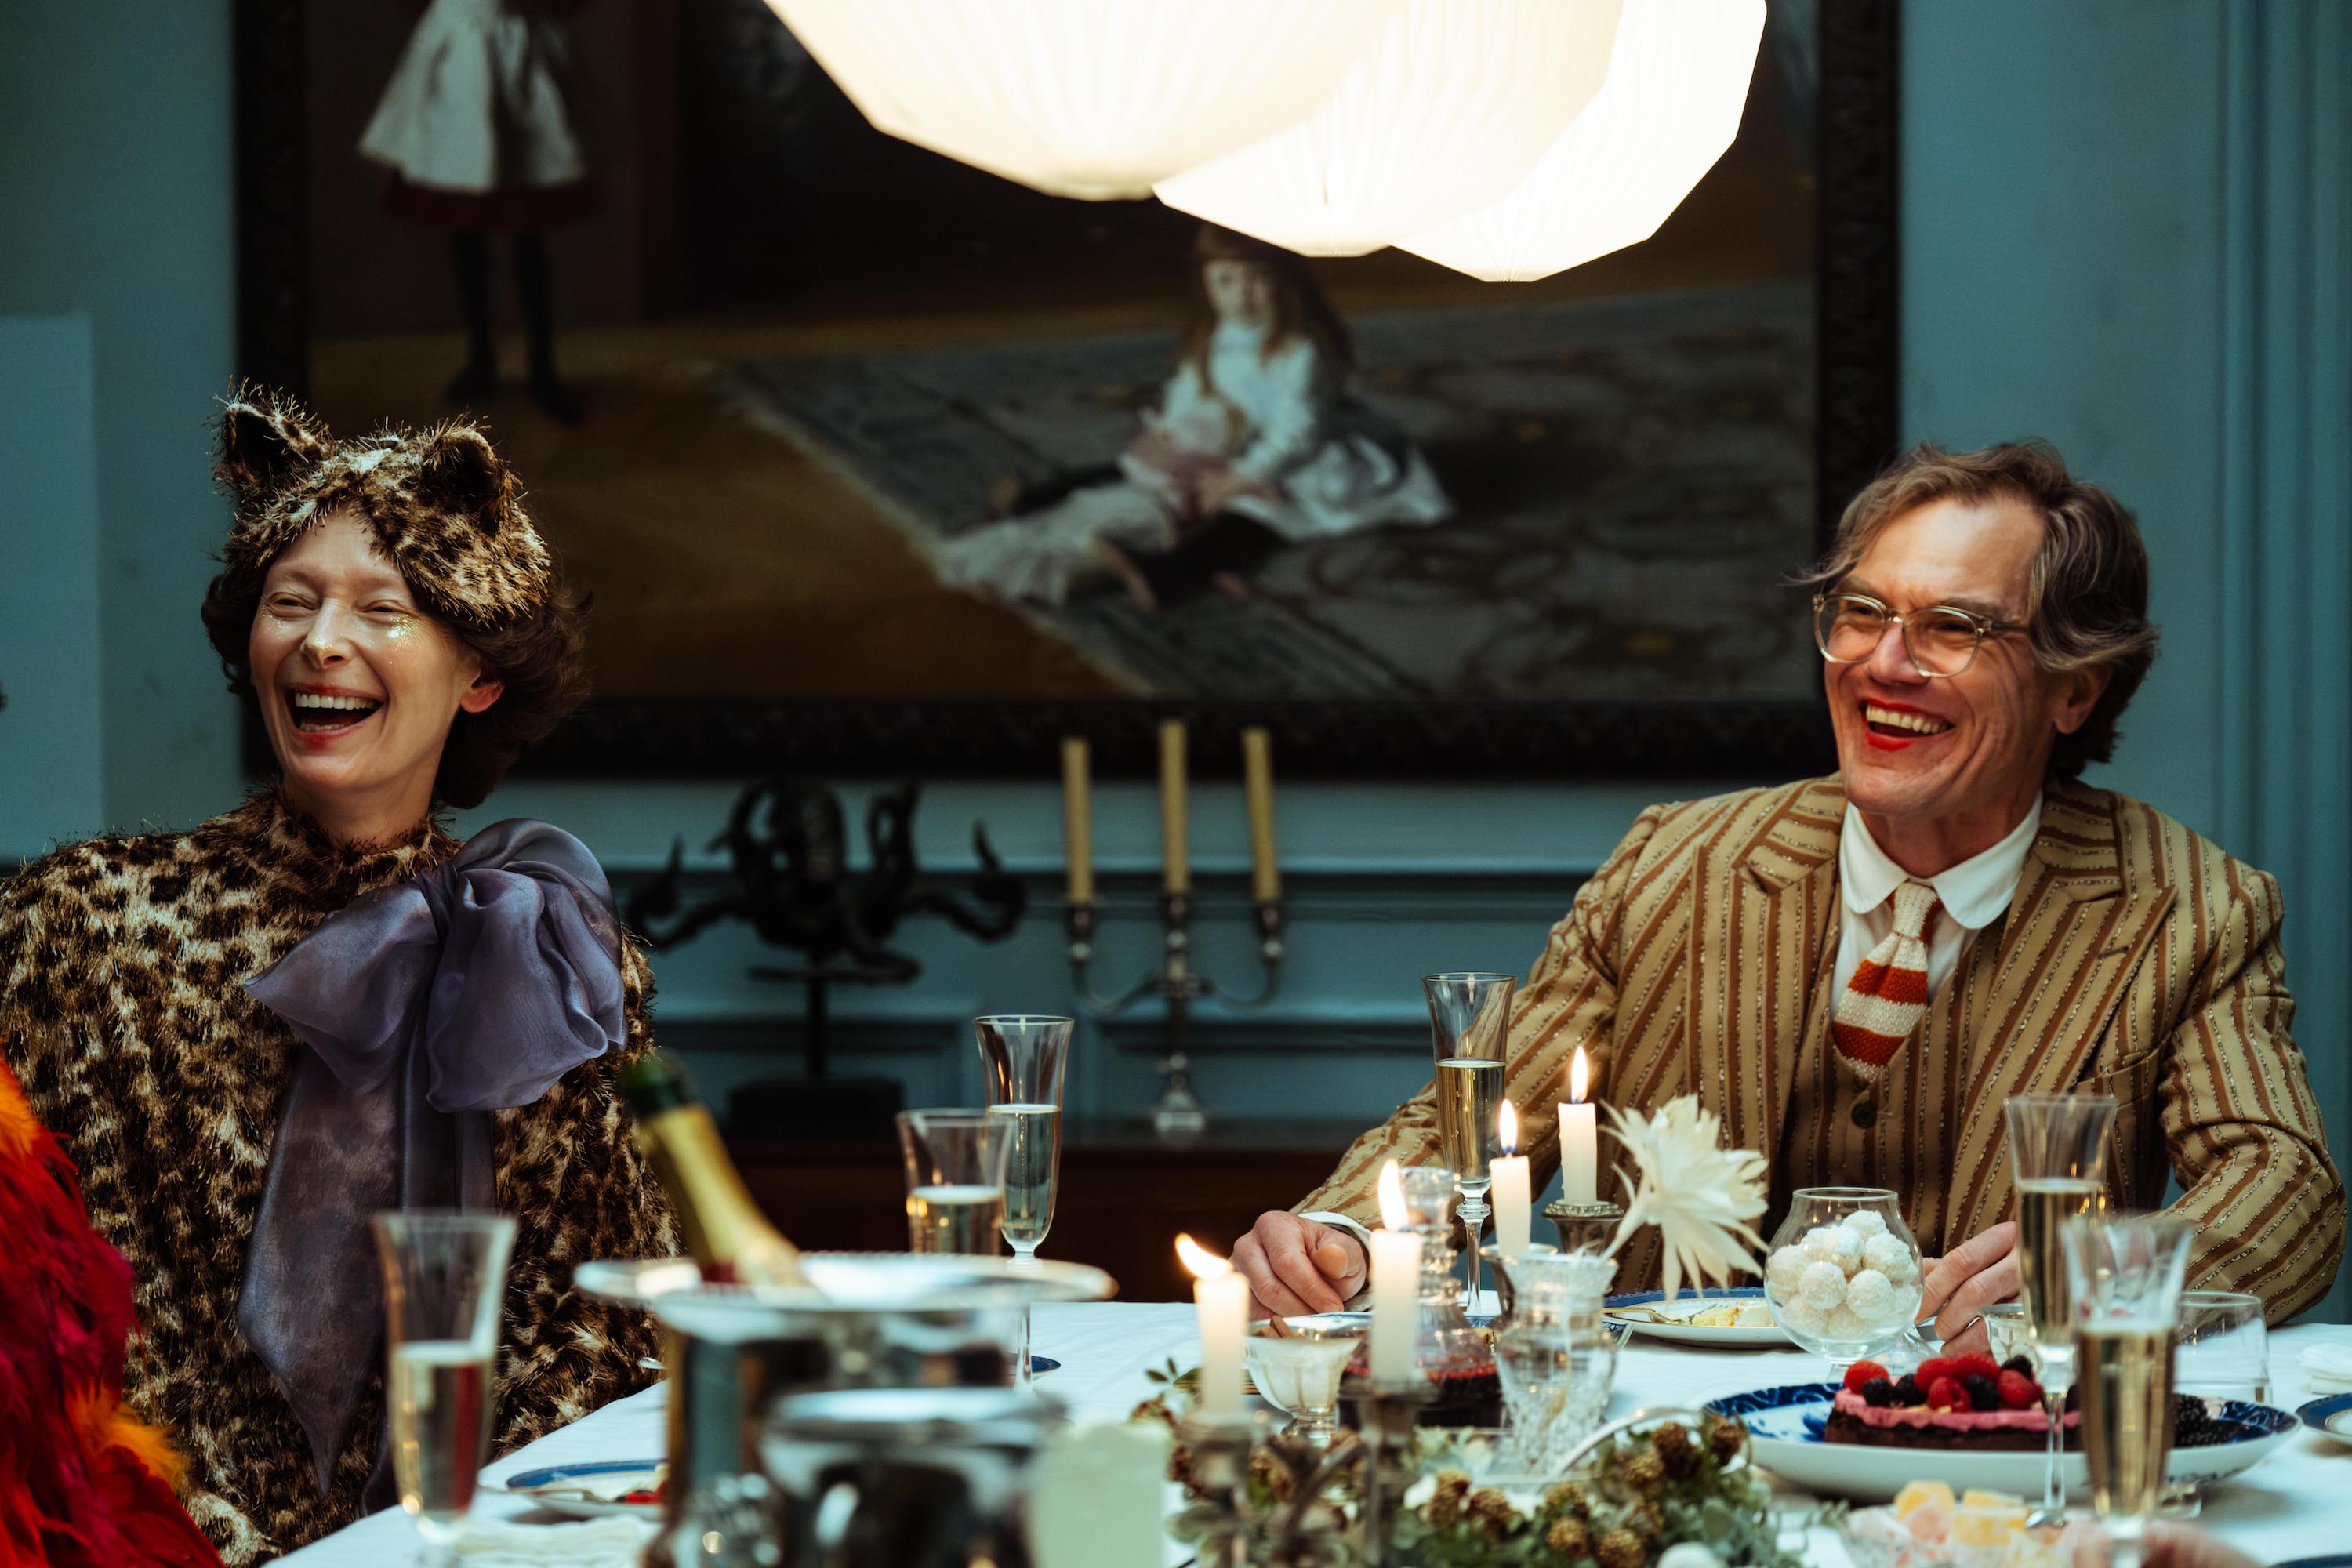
(1973,894)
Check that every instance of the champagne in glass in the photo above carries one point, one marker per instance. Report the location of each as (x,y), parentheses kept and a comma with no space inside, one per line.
(2124,1372)
(1030,1170)
(444,1277)
(2057,1156)
(1469,1095)
(2125,1275)
(955,1179)
(440,1397)
(1470,1034)
(955,1216)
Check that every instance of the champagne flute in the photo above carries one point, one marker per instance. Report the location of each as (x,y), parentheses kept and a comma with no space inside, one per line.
(1470,1034)
(2058,1157)
(1024,1056)
(443,1279)
(2125,1274)
(955,1179)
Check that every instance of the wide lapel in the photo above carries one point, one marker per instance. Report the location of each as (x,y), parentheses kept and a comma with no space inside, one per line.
(2075,932)
(1765,899)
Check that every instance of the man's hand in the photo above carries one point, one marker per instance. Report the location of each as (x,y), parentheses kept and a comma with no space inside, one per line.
(1962,1283)
(1296,1266)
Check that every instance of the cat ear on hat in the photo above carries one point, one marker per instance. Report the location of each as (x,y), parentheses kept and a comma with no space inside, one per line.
(458,471)
(264,440)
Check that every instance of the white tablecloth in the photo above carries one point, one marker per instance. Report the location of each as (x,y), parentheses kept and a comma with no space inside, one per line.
(2292,1505)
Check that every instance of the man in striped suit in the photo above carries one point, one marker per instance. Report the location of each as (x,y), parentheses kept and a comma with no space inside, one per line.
(1857,972)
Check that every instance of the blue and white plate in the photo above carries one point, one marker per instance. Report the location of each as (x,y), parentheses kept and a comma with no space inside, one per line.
(1784,1427)
(2332,1415)
(1687,1305)
(567,1488)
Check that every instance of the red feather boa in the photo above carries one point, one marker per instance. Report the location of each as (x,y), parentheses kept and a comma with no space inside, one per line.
(82,1482)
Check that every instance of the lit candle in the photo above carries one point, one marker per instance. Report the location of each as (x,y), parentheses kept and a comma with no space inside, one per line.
(1579,1137)
(1396,1285)
(1514,1196)
(1221,1300)
(1077,821)
(1257,784)
(1177,875)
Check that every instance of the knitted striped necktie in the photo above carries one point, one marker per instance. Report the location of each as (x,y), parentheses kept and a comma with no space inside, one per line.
(1888,994)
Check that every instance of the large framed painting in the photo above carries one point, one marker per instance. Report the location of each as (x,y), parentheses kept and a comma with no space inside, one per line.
(856,447)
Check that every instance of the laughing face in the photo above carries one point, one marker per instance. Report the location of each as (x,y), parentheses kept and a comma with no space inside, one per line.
(358,685)
(1959,757)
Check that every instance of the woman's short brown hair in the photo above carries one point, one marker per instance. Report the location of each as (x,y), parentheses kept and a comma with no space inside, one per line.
(2089,580)
(542,660)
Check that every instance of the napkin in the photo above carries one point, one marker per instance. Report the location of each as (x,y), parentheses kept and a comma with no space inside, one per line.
(615,1541)
(2328,1368)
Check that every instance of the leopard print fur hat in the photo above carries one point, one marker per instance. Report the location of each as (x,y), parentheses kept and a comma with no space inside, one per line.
(444,506)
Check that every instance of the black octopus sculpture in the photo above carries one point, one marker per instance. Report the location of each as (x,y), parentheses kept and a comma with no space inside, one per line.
(794,885)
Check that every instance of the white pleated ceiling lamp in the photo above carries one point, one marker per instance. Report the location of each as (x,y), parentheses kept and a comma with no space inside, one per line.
(1677,81)
(1094,98)
(1449,109)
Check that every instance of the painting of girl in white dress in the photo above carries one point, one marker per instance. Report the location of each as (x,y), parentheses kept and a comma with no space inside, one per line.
(1259,442)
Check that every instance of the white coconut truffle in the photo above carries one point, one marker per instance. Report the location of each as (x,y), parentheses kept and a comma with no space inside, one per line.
(1843,1248)
(1866,1224)
(1844,1324)
(1818,1241)
(1800,1315)
(1782,1269)
(1823,1285)
(1871,1297)
(1889,1257)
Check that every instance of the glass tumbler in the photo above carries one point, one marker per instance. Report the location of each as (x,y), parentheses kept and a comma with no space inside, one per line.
(1556,1358)
(443,1279)
(955,1180)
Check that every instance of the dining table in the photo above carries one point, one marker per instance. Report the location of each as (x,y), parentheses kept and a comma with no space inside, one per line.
(2295,1504)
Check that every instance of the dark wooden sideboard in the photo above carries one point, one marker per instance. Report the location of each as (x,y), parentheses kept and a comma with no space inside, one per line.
(1125,1192)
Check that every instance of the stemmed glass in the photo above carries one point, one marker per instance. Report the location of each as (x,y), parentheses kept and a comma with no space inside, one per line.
(2058,1159)
(443,1279)
(1470,1032)
(1023,1057)
(2125,1275)
(955,1179)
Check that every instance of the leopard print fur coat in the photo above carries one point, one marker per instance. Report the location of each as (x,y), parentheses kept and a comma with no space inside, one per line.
(122,1010)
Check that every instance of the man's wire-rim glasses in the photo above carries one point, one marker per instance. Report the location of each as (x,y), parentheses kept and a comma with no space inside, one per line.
(1942,640)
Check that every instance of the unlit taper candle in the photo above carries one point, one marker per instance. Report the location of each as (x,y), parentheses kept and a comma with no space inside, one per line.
(1077,820)
(1257,785)
(1177,873)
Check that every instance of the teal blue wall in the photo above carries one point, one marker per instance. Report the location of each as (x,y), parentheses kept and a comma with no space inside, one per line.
(2124,229)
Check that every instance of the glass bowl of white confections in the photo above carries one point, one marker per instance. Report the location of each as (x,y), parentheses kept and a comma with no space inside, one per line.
(1842,1275)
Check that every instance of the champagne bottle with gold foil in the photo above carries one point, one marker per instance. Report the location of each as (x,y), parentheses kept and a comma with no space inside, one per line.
(724,1231)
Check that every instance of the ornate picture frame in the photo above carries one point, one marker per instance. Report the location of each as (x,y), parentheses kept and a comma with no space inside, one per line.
(1457,736)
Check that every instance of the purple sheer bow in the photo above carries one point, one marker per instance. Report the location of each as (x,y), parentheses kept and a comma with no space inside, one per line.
(470,988)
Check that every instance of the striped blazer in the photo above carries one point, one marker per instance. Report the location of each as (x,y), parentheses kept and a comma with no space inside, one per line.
(2136,959)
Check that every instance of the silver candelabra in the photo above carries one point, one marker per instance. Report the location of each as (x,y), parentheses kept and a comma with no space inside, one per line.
(1179,983)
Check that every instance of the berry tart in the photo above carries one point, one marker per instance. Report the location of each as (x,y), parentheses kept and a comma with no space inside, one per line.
(1959,1401)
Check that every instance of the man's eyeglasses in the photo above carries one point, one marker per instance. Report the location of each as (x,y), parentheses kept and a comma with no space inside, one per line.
(1942,641)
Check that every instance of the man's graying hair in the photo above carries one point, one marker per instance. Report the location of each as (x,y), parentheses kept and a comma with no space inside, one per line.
(2089,583)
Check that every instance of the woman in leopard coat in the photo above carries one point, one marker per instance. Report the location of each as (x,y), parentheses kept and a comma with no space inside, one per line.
(452,1036)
